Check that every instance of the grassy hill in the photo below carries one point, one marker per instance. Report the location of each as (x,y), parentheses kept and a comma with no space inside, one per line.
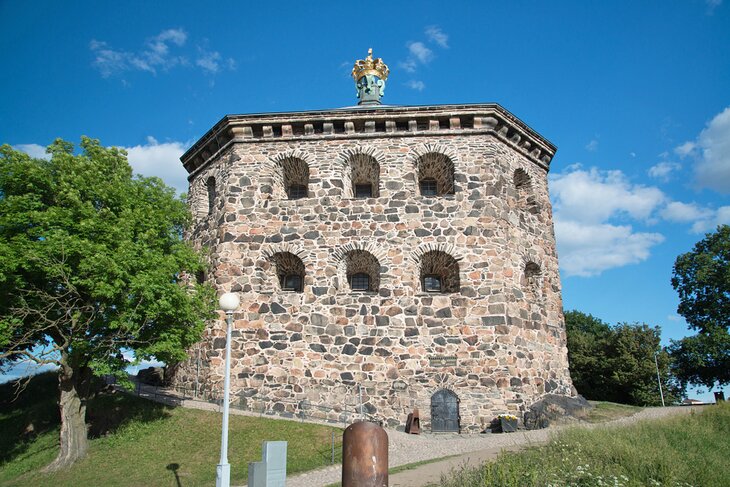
(683,451)
(136,442)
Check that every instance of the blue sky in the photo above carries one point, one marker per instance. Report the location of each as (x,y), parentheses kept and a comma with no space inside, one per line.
(636,96)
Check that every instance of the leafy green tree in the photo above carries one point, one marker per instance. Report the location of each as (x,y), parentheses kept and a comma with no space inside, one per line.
(616,363)
(702,280)
(92,263)
(588,339)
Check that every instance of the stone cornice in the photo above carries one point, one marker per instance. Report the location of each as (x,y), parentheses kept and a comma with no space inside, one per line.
(364,123)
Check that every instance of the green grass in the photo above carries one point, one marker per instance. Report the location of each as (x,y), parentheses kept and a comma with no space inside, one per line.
(136,442)
(608,411)
(686,450)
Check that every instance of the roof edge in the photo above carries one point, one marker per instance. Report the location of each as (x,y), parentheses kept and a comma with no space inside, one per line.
(359,121)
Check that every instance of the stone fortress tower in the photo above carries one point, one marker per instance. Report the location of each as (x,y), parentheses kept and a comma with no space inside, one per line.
(387,258)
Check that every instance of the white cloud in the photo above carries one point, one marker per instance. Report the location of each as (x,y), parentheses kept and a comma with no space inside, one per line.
(594,196)
(713,168)
(107,61)
(209,61)
(161,52)
(33,150)
(23,368)
(156,54)
(676,211)
(663,170)
(584,202)
(435,34)
(685,149)
(703,219)
(674,318)
(149,159)
(419,51)
(711,152)
(176,36)
(416,85)
(721,216)
(589,249)
(409,65)
(592,146)
(161,160)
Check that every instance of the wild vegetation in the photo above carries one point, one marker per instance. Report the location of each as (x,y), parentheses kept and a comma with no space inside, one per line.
(686,450)
(135,442)
(616,363)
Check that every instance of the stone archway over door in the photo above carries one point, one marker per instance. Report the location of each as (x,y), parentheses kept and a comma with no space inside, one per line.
(445,412)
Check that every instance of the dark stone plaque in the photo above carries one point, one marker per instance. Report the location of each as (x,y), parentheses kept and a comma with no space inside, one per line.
(442,361)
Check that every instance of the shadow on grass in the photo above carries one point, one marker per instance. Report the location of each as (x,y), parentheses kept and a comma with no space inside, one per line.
(34,412)
(174,467)
(324,454)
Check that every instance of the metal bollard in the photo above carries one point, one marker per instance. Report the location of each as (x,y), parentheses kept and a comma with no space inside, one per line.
(364,455)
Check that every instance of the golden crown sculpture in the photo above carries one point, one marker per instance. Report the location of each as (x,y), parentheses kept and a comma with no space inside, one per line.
(372,66)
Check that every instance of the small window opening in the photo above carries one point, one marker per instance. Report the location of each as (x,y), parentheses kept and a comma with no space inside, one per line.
(360,282)
(428,187)
(363,191)
(522,180)
(291,282)
(210,185)
(200,277)
(432,283)
(297,191)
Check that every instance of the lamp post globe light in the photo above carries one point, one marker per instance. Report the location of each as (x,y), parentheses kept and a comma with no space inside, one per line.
(229,303)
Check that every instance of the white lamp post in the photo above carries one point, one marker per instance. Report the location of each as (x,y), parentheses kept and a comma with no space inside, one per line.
(229,303)
(658,378)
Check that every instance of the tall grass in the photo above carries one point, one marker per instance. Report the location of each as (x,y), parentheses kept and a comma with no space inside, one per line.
(688,450)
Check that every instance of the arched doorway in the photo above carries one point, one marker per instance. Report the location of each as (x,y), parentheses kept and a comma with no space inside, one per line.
(445,412)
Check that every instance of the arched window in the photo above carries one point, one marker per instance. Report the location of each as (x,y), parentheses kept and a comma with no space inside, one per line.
(364,176)
(362,270)
(522,180)
(435,174)
(295,176)
(523,185)
(289,271)
(439,273)
(531,279)
(210,186)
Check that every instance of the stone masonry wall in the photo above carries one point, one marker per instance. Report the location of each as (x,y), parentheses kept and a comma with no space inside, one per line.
(295,351)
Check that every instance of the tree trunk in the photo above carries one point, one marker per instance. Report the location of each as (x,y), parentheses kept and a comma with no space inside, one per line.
(74,384)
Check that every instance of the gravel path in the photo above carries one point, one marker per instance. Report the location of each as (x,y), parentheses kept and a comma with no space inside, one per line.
(404,449)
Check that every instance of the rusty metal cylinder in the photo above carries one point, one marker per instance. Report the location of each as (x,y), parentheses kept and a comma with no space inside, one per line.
(364,455)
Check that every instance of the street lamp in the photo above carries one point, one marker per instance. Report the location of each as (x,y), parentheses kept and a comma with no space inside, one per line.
(658,379)
(229,303)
